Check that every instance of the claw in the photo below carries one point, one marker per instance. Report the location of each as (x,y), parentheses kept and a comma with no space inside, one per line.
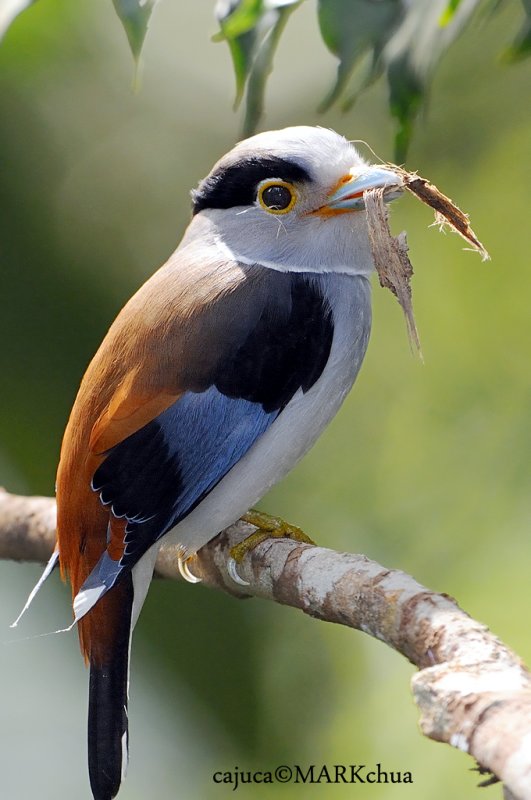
(275,527)
(185,572)
(266,527)
(233,572)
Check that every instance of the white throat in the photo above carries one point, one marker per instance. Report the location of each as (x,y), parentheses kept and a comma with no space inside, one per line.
(338,244)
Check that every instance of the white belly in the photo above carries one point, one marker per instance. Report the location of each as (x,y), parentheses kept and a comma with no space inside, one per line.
(297,427)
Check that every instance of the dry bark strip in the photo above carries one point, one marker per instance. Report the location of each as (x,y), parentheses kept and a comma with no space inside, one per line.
(390,253)
(446,211)
(471,690)
(391,259)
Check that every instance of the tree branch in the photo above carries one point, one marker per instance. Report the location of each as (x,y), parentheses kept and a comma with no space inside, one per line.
(471,690)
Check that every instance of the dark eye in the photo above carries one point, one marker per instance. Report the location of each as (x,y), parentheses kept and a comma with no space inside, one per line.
(277,197)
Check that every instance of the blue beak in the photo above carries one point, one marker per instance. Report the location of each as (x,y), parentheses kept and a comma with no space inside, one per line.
(349,195)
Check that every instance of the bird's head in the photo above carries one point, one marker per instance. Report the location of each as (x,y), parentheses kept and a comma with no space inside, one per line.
(291,200)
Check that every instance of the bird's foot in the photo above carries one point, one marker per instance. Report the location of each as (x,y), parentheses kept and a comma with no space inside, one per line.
(268,527)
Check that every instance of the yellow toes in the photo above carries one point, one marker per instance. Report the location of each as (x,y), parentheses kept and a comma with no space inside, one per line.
(267,527)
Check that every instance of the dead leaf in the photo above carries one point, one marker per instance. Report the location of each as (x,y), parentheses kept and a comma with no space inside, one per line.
(446,211)
(391,259)
(390,253)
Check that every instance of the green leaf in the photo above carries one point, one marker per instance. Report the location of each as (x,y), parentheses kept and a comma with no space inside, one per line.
(403,39)
(135,16)
(448,13)
(252,29)
(9,10)
(352,29)
(521,47)
(405,100)
(237,18)
(263,65)
(238,22)
(411,56)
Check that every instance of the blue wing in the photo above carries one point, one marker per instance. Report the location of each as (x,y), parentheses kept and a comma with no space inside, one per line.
(156,476)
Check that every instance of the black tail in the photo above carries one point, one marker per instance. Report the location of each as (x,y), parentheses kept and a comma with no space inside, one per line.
(108,696)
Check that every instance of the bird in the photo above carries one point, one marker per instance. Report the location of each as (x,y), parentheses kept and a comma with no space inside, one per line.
(215,378)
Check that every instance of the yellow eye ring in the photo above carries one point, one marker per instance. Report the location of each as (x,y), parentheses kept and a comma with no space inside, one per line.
(276,196)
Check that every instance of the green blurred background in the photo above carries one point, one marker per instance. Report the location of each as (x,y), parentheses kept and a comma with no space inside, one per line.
(426,468)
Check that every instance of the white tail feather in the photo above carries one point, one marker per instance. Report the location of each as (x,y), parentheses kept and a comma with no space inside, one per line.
(85,600)
(47,572)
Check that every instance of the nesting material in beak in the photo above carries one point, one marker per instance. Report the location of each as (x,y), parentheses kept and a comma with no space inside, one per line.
(391,260)
(391,253)
(446,211)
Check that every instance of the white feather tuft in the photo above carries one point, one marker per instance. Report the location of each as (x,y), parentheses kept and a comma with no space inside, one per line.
(85,600)
(125,753)
(47,572)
